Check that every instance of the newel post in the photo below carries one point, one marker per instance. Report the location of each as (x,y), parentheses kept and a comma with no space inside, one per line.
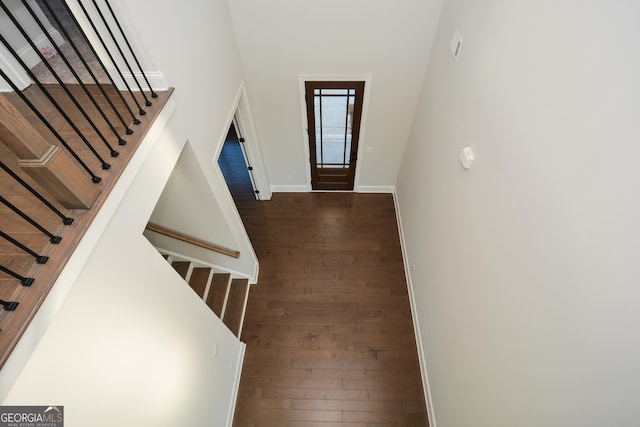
(53,169)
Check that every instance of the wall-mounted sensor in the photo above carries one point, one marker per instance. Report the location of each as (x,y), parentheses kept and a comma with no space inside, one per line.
(467,158)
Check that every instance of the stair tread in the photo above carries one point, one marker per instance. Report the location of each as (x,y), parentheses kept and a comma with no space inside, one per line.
(198,280)
(234,310)
(226,297)
(218,292)
(182,267)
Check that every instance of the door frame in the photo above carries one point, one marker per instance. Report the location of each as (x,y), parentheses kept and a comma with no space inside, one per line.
(243,119)
(245,154)
(366,78)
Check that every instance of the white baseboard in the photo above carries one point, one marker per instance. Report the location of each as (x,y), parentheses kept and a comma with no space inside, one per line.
(156,80)
(12,68)
(236,388)
(376,189)
(30,57)
(359,189)
(416,323)
(15,73)
(290,189)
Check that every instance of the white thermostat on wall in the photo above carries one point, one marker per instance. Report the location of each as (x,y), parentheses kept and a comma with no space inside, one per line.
(467,158)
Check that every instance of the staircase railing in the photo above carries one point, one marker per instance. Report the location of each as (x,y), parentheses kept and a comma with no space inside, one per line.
(192,240)
(62,133)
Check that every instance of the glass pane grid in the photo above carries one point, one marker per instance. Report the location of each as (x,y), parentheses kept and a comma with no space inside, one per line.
(333,127)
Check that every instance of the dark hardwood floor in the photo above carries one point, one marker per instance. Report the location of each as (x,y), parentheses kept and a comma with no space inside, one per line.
(328,327)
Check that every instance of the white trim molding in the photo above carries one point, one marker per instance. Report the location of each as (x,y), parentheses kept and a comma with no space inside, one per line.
(234,391)
(13,71)
(253,148)
(414,315)
(12,68)
(30,57)
(376,189)
(156,80)
(290,188)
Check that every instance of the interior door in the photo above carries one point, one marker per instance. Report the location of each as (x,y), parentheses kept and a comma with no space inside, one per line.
(334,112)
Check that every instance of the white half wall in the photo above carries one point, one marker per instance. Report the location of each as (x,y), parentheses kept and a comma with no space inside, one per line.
(524,269)
(281,39)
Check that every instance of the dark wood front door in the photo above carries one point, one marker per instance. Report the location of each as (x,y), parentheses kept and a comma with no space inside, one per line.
(334,111)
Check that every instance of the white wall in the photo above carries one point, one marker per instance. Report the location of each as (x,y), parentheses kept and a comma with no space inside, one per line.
(187,194)
(388,39)
(186,205)
(526,266)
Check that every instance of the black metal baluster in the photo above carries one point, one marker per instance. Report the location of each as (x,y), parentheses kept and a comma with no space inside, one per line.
(113,61)
(40,259)
(65,219)
(94,178)
(53,72)
(64,58)
(124,58)
(21,214)
(51,99)
(133,55)
(9,305)
(129,131)
(136,121)
(24,281)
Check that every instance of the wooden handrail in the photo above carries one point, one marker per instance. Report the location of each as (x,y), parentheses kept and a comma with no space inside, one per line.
(192,240)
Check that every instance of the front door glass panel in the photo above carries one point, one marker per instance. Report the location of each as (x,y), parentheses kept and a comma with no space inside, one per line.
(334,126)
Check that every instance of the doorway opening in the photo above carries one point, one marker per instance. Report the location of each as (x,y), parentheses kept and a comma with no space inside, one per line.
(237,171)
(334,114)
